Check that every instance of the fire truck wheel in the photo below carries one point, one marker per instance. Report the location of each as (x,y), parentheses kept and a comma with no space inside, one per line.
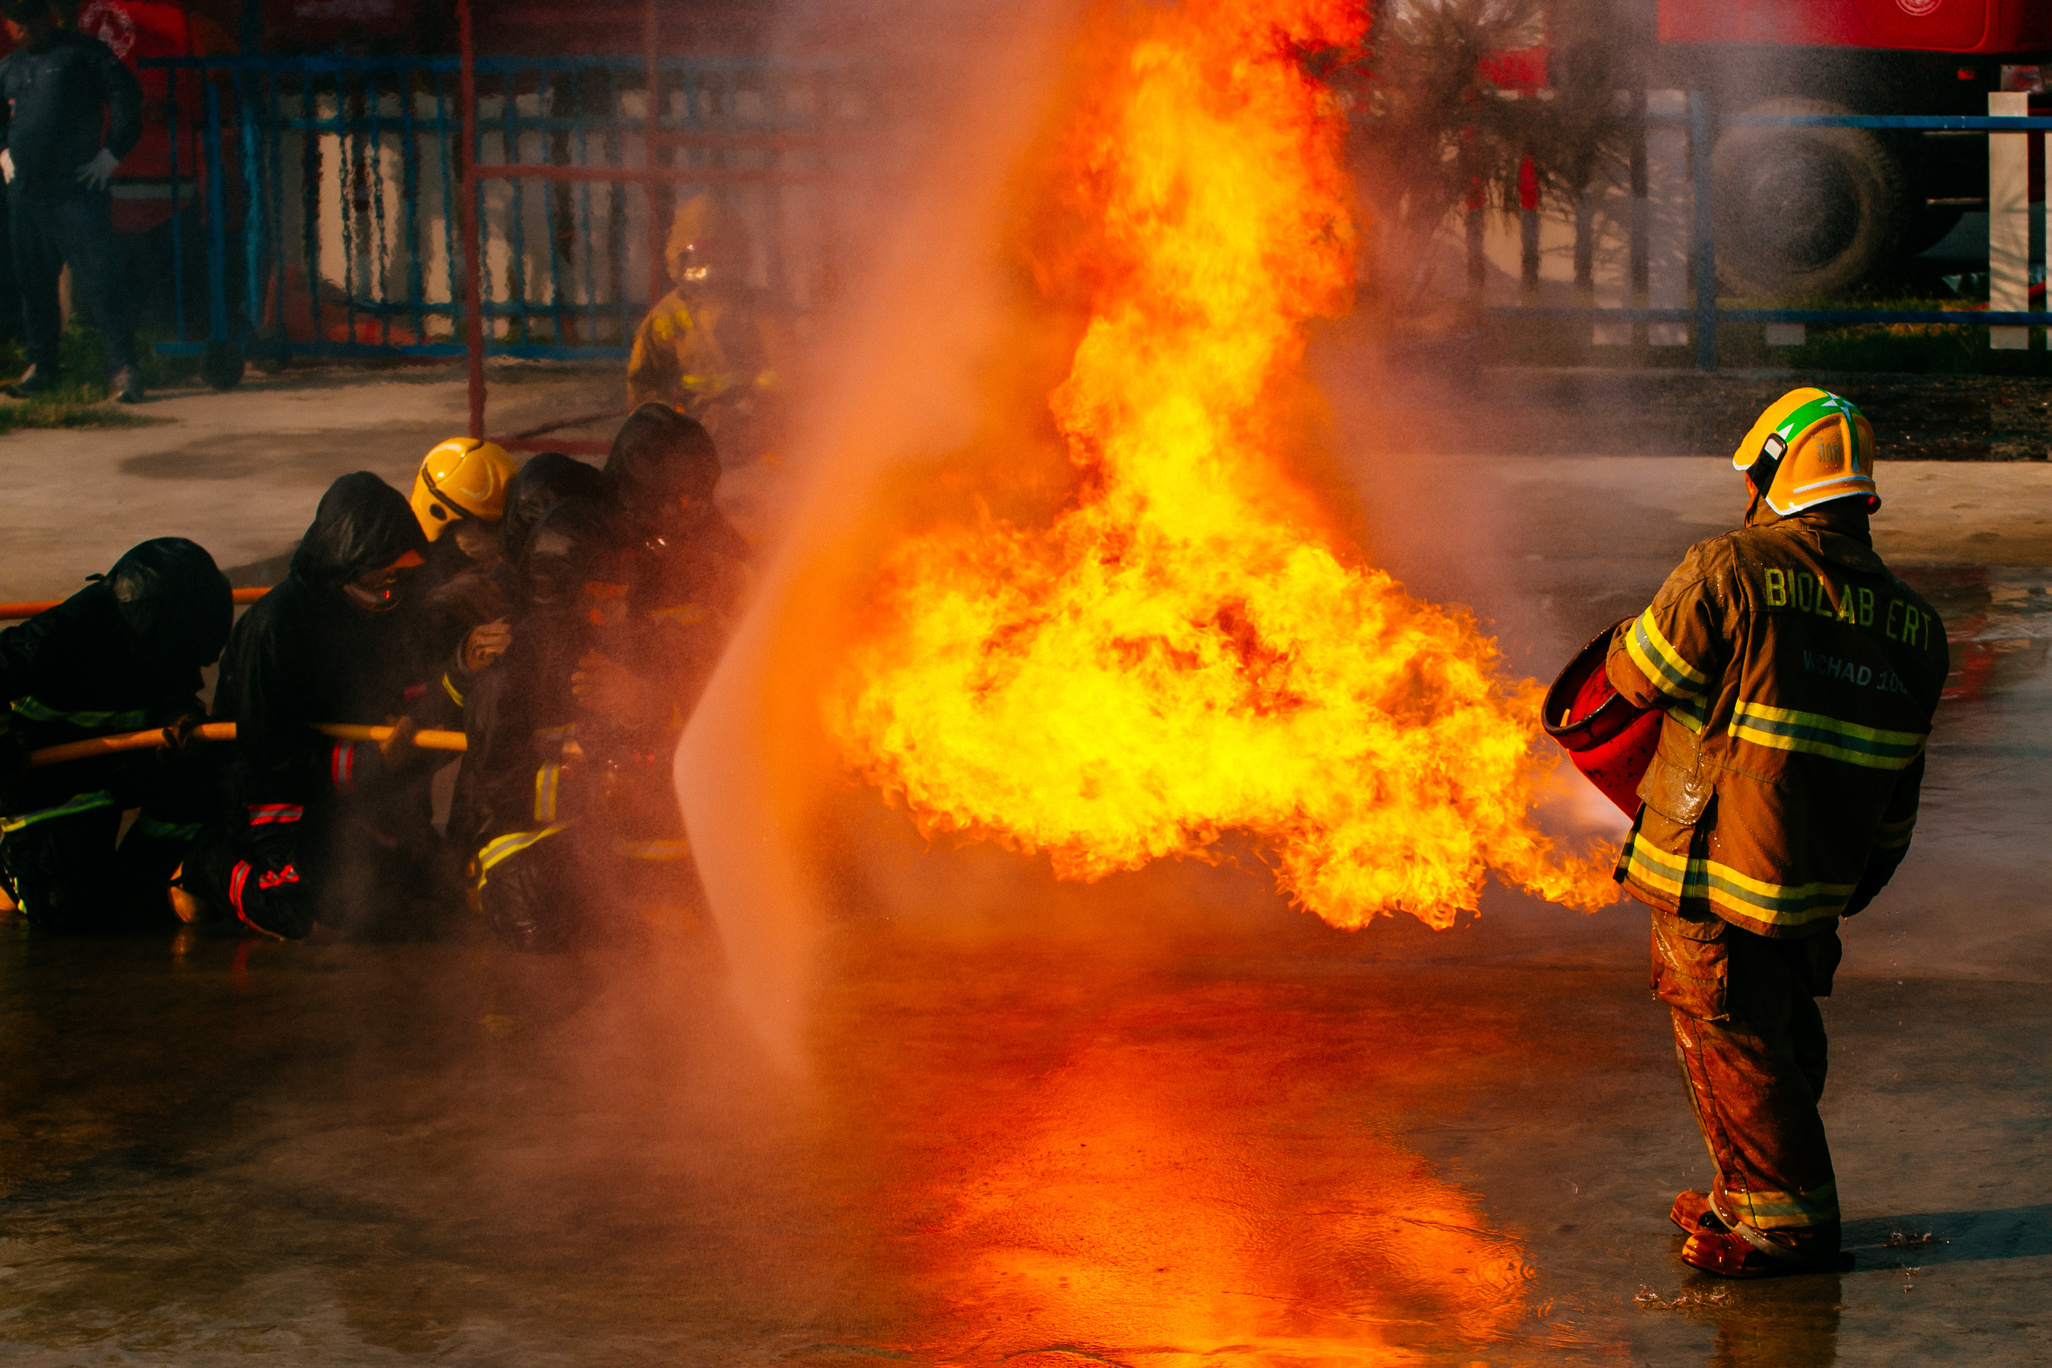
(221,365)
(1807,213)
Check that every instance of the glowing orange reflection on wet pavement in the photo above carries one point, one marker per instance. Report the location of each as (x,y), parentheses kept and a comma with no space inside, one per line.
(1162,1171)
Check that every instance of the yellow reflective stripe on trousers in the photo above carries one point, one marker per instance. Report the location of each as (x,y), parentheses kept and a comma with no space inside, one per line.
(1896,835)
(1660,662)
(507,846)
(1722,886)
(545,781)
(1816,734)
(1764,1209)
(84,802)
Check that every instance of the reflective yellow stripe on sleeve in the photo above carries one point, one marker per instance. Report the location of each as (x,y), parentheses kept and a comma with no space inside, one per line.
(83,802)
(1896,835)
(449,688)
(1720,885)
(1816,734)
(1660,662)
(37,711)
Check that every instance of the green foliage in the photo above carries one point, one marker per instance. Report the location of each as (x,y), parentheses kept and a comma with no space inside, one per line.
(81,401)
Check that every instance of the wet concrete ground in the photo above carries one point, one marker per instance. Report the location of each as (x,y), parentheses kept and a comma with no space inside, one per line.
(1163,1120)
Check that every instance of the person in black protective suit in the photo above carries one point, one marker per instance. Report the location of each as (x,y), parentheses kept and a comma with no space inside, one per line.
(689,569)
(307,832)
(464,626)
(544,481)
(58,90)
(121,655)
(548,478)
(569,808)
(455,608)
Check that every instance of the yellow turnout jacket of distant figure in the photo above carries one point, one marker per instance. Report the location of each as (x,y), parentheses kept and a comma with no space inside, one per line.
(1799,678)
(696,349)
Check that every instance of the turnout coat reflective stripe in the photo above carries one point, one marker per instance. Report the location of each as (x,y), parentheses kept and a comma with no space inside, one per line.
(1799,677)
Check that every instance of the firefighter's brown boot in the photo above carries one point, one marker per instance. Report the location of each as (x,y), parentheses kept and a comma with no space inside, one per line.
(1747,1253)
(1694,1215)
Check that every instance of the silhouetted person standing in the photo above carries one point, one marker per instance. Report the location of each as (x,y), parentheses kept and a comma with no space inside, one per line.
(69,112)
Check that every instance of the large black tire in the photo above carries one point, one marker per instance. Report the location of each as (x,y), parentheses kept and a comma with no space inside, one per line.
(1807,213)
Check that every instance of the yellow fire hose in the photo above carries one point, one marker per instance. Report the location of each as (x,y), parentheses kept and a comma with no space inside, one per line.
(33,606)
(225,731)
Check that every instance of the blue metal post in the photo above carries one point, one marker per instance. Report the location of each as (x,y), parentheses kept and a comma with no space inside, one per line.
(253,184)
(1702,140)
(177,206)
(217,224)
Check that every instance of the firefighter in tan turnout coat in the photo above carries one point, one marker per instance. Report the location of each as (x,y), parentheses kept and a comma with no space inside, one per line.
(1798,677)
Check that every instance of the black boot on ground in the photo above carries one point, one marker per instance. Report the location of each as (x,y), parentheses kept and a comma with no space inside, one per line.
(35,380)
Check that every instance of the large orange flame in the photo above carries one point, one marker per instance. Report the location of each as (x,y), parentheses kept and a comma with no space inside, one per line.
(1188,650)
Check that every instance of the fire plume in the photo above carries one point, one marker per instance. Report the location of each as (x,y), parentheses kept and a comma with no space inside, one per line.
(1188,649)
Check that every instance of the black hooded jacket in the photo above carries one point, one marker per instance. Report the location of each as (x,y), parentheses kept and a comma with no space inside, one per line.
(546,480)
(122,654)
(306,653)
(526,696)
(690,565)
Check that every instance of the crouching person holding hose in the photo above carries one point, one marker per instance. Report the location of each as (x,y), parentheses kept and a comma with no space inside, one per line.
(314,829)
(121,655)
(1798,678)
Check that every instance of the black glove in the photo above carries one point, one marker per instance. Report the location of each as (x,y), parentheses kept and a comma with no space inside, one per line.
(182,740)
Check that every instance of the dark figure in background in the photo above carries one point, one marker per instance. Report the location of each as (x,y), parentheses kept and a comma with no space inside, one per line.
(1798,677)
(120,655)
(709,348)
(60,91)
(315,829)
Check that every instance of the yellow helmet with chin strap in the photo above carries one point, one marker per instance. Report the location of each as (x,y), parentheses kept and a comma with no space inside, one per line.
(463,477)
(1809,448)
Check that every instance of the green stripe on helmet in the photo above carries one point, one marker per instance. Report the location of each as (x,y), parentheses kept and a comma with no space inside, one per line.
(1826,406)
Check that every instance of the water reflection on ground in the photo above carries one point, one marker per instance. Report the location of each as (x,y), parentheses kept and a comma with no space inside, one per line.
(1175,1172)
(1268,1144)
(391,1151)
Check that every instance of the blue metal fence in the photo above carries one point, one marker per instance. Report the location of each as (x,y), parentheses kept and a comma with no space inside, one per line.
(327,220)
(1703,313)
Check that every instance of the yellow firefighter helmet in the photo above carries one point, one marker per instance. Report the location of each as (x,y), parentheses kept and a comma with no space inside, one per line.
(1808,448)
(463,477)
(708,243)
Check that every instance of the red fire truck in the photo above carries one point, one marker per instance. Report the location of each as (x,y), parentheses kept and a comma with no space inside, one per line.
(1814,211)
